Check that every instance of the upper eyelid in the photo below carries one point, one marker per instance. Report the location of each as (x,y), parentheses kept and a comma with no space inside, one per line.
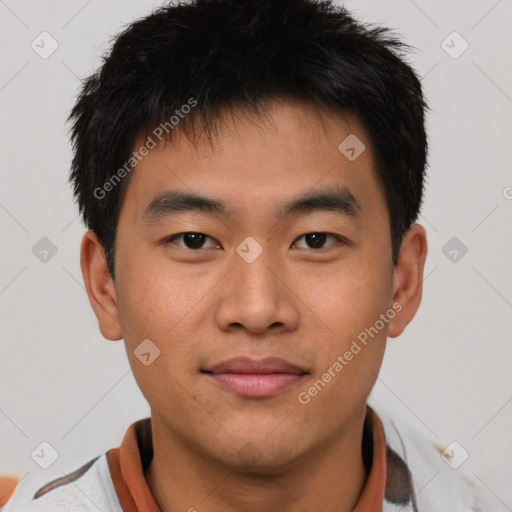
(170,238)
(339,238)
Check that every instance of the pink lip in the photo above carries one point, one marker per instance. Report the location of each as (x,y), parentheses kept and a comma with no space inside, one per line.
(256,378)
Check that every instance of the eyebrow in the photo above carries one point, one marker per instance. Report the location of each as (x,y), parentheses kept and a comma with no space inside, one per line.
(332,199)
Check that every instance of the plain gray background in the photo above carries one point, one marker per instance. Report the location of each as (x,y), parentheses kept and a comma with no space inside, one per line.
(449,373)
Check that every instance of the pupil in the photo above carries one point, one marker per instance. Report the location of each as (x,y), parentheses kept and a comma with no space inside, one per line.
(193,240)
(315,239)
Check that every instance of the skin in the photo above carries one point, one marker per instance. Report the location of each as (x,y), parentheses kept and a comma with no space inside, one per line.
(301,303)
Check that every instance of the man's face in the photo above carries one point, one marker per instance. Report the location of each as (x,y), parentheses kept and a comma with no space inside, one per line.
(257,285)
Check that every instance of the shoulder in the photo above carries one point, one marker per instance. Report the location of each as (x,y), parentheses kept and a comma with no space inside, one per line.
(433,483)
(86,489)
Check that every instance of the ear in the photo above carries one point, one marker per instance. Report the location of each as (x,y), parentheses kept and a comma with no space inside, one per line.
(99,285)
(408,278)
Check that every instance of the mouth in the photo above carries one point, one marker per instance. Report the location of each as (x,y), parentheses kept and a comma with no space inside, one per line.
(248,377)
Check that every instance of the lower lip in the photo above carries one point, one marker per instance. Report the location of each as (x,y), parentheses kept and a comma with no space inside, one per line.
(256,384)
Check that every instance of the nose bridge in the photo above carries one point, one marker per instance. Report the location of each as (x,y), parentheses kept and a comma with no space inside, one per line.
(256,296)
(258,274)
(255,272)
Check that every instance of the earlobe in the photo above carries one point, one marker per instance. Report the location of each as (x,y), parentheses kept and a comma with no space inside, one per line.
(408,278)
(99,286)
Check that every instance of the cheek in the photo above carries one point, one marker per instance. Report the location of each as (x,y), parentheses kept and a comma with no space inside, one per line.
(347,299)
(347,303)
(155,302)
(351,345)
(167,304)
(155,295)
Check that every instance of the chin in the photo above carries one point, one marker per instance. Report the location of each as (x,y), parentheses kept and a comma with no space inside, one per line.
(261,456)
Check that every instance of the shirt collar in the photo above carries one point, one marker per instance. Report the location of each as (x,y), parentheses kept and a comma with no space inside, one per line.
(128,462)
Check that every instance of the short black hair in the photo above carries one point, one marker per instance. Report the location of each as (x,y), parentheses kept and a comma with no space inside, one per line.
(197,60)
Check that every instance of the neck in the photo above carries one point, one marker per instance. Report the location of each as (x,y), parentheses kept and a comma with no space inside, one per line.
(331,478)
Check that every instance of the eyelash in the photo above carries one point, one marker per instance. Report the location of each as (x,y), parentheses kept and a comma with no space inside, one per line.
(178,235)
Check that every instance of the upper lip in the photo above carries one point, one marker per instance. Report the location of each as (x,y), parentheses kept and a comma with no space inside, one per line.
(255,366)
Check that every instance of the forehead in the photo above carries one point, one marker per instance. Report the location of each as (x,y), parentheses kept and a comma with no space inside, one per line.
(253,162)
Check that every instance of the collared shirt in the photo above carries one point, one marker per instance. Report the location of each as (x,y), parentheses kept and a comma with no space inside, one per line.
(128,463)
(115,481)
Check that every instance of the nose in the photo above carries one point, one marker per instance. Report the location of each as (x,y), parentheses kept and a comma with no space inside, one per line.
(258,297)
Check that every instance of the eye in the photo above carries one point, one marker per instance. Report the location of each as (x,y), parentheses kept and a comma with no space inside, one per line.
(316,240)
(192,240)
